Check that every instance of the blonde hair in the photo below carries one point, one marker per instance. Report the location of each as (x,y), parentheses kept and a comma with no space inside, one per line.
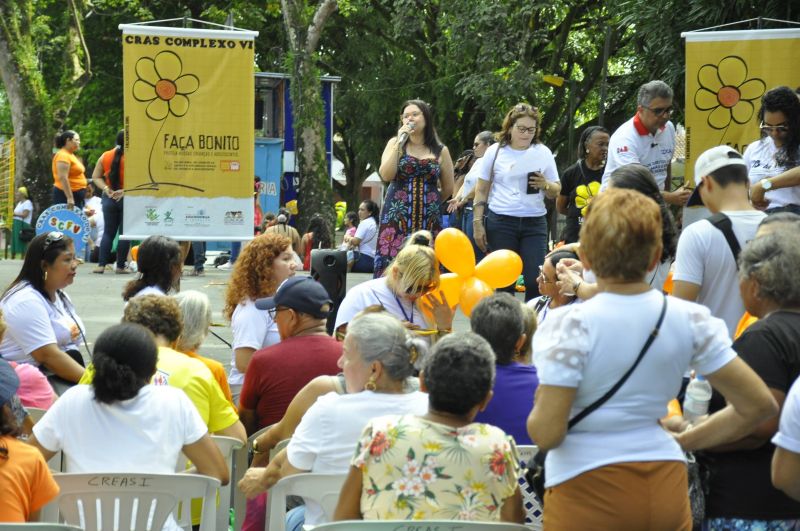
(621,235)
(414,269)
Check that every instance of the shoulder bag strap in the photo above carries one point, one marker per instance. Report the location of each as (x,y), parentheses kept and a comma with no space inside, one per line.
(603,399)
(722,223)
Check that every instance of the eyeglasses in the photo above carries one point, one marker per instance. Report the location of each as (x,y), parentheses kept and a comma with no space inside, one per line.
(660,111)
(768,129)
(52,237)
(274,312)
(413,114)
(544,277)
(529,130)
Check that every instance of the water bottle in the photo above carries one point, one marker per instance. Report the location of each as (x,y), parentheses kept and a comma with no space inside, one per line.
(698,396)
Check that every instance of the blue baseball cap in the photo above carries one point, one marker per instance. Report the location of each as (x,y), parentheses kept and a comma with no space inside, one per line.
(302,294)
(9,382)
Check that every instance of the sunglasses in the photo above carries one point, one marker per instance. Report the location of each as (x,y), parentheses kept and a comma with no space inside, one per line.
(51,238)
(767,129)
(427,288)
(660,111)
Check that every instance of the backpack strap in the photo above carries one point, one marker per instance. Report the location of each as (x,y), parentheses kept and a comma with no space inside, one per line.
(723,224)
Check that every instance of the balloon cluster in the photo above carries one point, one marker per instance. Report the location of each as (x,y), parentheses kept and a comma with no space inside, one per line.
(469,283)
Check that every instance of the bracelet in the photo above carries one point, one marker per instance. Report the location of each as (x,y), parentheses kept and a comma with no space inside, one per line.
(479,203)
(474,221)
(444,330)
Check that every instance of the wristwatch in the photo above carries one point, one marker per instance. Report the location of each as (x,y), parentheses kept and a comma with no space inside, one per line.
(766,184)
(255,447)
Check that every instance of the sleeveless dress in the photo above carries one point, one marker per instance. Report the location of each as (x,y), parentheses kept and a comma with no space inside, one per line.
(412,203)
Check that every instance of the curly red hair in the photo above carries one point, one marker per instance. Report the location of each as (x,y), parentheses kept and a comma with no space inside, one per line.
(252,273)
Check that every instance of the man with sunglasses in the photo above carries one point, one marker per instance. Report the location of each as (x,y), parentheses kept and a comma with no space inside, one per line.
(276,373)
(648,139)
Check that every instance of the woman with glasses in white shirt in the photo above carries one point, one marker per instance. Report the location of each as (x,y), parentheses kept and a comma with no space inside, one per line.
(516,175)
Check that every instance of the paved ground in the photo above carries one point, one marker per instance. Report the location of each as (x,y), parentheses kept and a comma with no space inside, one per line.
(99,302)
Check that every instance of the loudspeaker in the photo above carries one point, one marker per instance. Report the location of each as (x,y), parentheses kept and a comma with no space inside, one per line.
(329,268)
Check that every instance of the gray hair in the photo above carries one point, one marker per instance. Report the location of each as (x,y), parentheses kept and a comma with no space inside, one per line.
(778,220)
(382,337)
(459,373)
(652,90)
(771,260)
(499,320)
(486,137)
(196,309)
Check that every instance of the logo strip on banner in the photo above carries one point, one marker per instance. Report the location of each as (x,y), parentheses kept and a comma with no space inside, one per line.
(727,73)
(189,139)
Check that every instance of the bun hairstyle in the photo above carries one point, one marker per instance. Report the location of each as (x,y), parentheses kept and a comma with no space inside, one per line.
(586,137)
(124,361)
(380,336)
(63,136)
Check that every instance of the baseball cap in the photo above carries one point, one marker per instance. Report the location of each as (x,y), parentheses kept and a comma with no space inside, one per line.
(710,161)
(302,294)
(9,382)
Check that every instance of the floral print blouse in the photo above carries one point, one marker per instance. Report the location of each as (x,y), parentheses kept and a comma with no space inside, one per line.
(415,469)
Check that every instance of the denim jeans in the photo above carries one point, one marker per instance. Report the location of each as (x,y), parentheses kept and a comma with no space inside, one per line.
(60,198)
(236,248)
(525,236)
(112,216)
(466,227)
(199,253)
(362,263)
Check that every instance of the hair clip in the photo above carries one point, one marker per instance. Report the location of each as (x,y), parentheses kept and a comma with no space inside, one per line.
(413,354)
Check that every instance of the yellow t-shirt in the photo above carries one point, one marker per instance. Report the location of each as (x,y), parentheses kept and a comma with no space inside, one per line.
(183,372)
(218,370)
(76,176)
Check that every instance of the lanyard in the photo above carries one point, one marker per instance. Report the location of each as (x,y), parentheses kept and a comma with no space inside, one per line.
(410,319)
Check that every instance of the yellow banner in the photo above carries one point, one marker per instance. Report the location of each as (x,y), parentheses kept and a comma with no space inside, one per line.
(727,72)
(189,139)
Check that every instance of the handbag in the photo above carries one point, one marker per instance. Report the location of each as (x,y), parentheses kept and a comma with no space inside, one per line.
(26,234)
(536,471)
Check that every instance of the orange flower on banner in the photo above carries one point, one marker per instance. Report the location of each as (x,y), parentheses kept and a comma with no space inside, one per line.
(726,91)
(161,83)
(584,195)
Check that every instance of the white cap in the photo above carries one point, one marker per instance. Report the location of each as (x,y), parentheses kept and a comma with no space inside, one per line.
(710,161)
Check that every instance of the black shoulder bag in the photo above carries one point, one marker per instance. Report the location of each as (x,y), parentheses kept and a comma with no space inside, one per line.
(535,476)
(723,223)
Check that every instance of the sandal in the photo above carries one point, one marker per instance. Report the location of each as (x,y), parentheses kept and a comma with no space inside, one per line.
(123,271)
(99,270)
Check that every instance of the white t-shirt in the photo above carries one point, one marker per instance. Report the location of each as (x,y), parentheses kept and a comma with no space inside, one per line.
(143,435)
(374,292)
(471,178)
(590,346)
(21,207)
(705,259)
(34,321)
(508,195)
(252,328)
(367,232)
(326,437)
(96,204)
(788,436)
(632,143)
(761,164)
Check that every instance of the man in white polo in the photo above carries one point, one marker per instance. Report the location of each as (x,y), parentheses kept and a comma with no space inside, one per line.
(705,263)
(648,139)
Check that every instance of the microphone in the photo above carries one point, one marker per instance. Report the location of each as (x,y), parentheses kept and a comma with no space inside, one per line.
(654,144)
(401,141)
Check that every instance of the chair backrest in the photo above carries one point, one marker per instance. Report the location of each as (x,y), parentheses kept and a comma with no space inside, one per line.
(419,525)
(531,503)
(278,447)
(35,526)
(35,413)
(135,501)
(241,460)
(322,488)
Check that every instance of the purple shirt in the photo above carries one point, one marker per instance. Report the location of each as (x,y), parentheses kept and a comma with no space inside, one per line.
(514,387)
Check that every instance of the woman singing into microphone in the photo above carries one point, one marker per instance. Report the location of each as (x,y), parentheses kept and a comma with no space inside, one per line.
(420,171)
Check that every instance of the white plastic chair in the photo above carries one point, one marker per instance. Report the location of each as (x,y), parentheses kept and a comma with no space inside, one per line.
(34,526)
(134,501)
(418,525)
(532,504)
(322,488)
(35,413)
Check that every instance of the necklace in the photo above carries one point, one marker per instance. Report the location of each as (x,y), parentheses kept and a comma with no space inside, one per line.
(410,318)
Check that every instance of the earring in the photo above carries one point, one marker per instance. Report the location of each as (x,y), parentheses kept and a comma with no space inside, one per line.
(370,385)
(45,276)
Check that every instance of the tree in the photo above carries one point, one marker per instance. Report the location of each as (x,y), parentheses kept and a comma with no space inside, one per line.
(44,65)
(304,24)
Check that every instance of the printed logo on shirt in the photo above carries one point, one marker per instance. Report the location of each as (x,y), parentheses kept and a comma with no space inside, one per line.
(623,149)
(160,378)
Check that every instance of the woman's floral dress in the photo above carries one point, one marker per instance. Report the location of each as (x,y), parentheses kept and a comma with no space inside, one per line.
(415,469)
(412,203)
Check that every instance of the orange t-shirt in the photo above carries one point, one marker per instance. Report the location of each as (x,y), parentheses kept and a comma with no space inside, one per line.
(218,370)
(107,159)
(26,483)
(77,179)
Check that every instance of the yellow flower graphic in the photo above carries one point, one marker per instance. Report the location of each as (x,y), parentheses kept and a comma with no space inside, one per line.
(584,195)
(160,83)
(727,93)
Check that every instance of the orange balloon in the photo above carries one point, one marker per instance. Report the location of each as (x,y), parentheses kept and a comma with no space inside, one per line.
(454,251)
(500,268)
(451,285)
(135,252)
(473,291)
